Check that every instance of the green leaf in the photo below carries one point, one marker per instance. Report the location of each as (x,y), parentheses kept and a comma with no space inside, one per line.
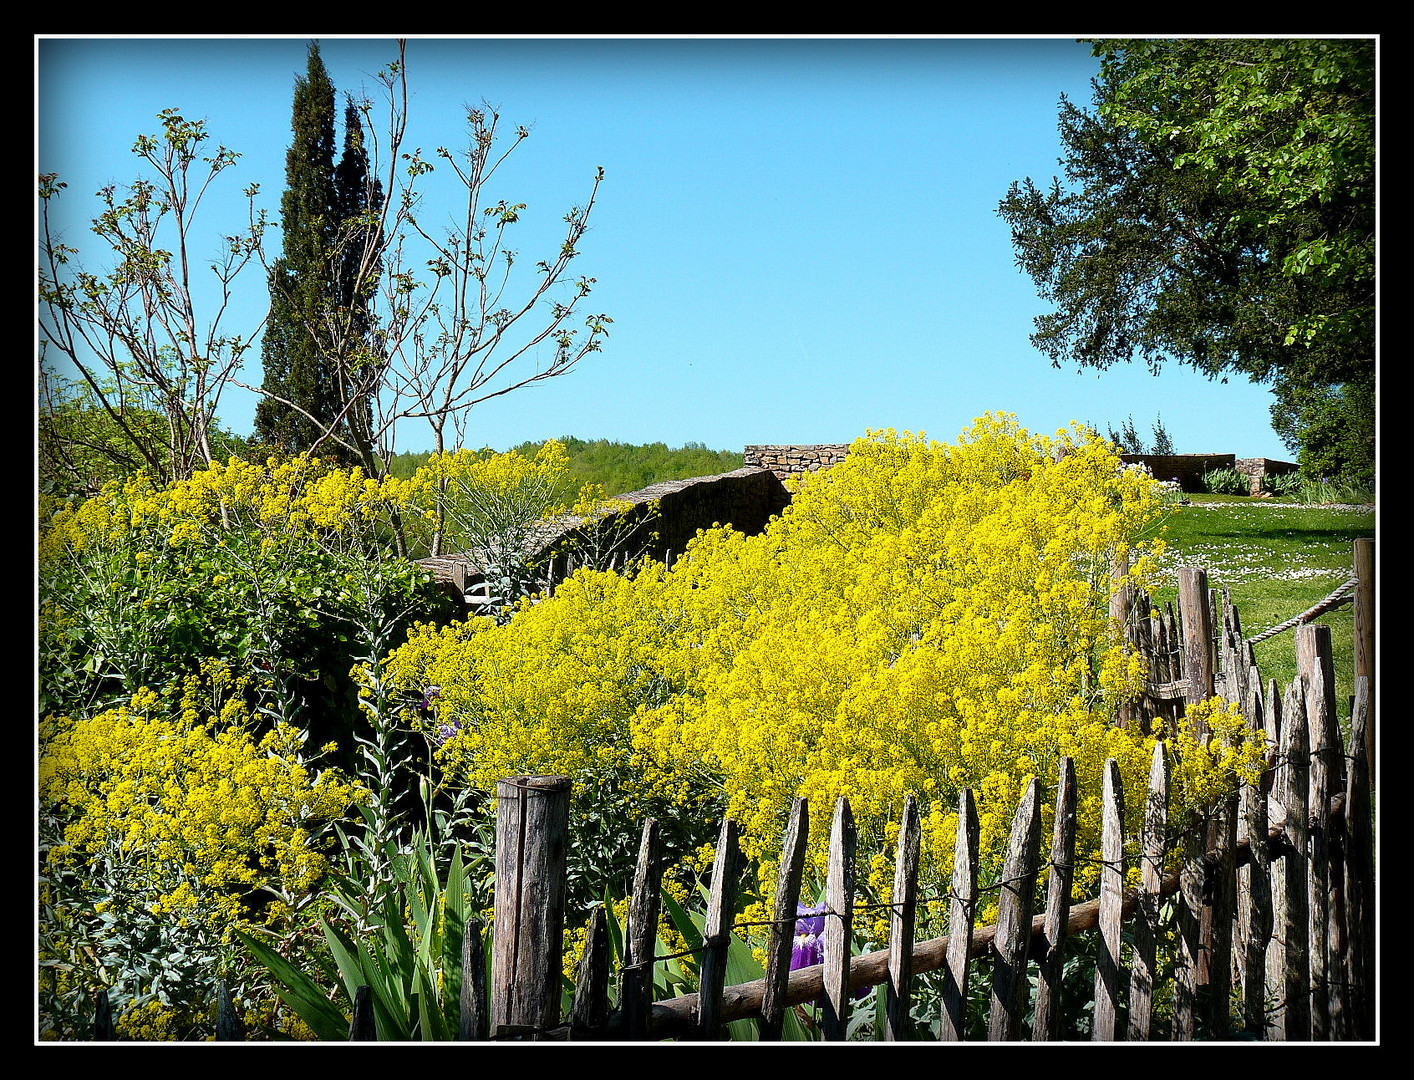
(300,992)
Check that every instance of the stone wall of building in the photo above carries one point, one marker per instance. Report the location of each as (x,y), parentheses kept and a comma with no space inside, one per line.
(1188,469)
(792,460)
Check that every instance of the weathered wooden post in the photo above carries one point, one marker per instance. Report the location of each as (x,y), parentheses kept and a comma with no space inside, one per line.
(1013,940)
(901,924)
(1108,963)
(474,1024)
(1153,841)
(717,932)
(532,825)
(1365,637)
(961,920)
(839,923)
(782,937)
(1046,1025)
(1196,611)
(636,985)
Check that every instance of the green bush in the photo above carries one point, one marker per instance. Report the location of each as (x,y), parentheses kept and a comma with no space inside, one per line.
(1225,482)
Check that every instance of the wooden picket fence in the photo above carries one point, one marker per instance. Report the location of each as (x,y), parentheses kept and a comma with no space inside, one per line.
(1272,907)
(1266,931)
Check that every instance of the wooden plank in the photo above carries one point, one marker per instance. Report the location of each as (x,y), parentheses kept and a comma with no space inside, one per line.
(1190,939)
(717,932)
(532,827)
(1313,662)
(839,923)
(474,1024)
(1295,1010)
(636,978)
(1360,868)
(962,915)
(1255,912)
(1013,940)
(1153,843)
(1046,1024)
(1108,962)
(1195,608)
(1364,560)
(782,936)
(903,917)
(1219,911)
(590,1008)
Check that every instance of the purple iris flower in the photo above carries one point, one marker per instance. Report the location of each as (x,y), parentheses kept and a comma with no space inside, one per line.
(809,948)
(447,729)
(431,694)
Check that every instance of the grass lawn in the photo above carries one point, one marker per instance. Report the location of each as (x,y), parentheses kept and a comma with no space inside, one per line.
(1276,561)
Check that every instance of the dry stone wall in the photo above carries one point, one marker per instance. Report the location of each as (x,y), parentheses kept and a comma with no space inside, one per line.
(792,460)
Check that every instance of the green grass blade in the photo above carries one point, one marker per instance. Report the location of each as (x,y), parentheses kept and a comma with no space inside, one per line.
(300,992)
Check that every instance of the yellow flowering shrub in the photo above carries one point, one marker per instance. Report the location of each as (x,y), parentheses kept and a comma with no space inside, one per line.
(923,618)
(166,824)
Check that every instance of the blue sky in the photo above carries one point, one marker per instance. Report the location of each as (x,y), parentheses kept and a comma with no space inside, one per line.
(797,239)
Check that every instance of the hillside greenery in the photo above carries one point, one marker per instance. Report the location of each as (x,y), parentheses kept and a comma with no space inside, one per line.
(615,466)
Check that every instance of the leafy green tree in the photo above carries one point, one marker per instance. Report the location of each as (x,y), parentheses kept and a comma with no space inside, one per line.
(81,446)
(1218,212)
(138,340)
(368,335)
(1333,429)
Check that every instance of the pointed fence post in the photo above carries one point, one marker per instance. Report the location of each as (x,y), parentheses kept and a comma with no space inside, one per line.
(1154,843)
(1046,1026)
(1365,637)
(1256,911)
(1327,777)
(1195,609)
(532,827)
(1295,1013)
(1108,962)
(962,917)
(474,1024)
(1190,939)
(1360,869)
(839,923)
(716,934)
(781,941)
(901,925)
(636,984)
(1013,940)
(590,1009)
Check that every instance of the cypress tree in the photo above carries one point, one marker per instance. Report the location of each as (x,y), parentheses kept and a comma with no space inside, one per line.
(300,281)
(358,195)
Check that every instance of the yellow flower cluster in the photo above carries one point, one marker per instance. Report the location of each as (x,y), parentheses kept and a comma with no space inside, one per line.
(923,618)
(176,789)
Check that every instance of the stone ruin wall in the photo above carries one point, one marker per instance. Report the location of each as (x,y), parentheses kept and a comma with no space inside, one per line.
(749,497)
(792,460)
(1188,469)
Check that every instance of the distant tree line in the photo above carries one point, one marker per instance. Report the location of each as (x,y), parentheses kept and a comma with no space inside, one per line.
(618,467)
